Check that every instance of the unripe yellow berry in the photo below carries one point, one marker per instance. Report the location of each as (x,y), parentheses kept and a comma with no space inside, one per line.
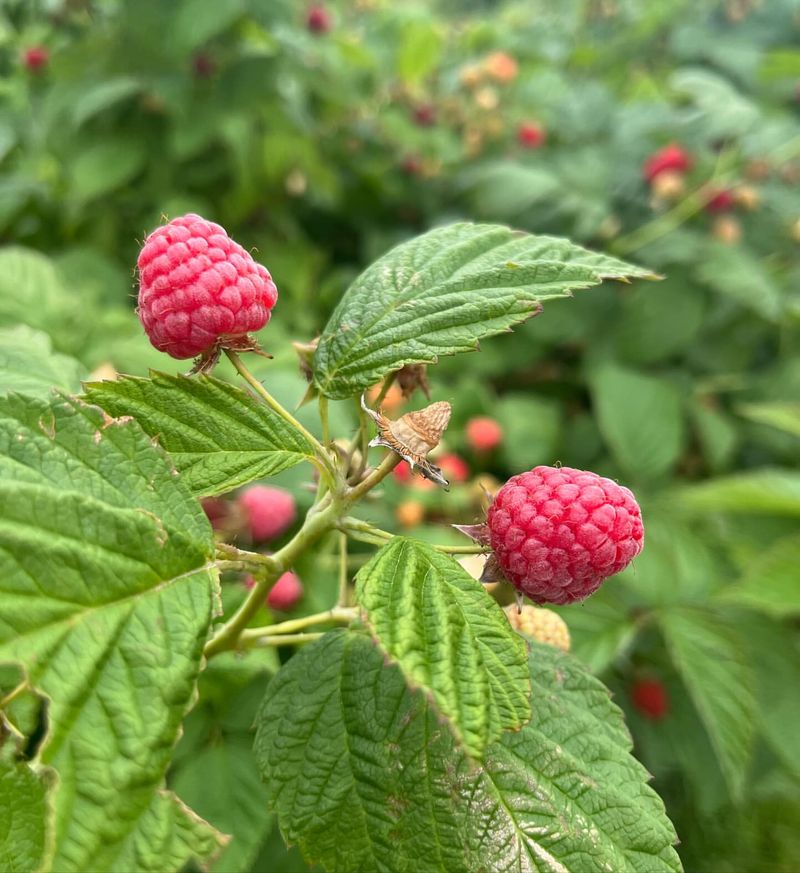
(544,625)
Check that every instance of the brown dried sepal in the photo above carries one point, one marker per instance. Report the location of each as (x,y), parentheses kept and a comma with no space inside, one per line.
(411,377)
(413,436)
(242,342)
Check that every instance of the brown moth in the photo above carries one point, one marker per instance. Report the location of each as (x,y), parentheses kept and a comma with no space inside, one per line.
(413,435)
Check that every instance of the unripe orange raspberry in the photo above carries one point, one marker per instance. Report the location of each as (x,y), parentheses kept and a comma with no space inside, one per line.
(410,513)
(541,624)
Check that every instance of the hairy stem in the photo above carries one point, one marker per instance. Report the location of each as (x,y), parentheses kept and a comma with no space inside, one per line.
(368,533)
(286,640)
(321,518)
(322,455)
(375,477)
(337,615)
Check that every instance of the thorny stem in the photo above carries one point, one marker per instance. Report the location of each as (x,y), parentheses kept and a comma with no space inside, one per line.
(322,455)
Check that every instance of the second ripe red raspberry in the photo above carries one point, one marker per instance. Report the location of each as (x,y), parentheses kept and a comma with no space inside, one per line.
(557,533)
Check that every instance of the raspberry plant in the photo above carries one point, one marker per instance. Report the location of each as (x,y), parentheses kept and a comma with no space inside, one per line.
(412,728)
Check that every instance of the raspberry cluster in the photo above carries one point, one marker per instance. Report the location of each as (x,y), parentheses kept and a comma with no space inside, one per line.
(199,290)
(557,533)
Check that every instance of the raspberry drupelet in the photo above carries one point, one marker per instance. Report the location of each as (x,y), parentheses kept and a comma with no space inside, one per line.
(199,291)
(557,533)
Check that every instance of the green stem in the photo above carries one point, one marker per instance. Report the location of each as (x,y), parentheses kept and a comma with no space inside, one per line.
(343,575)
(286,640)
(14,694)
(323,417)
(338,615)
(365,532)
(375,477)
(387,384)
(320,519)
(242,370)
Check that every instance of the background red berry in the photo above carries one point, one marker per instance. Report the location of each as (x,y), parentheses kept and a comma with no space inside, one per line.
(269,511)
(286,592)
(721,200)
(35,58)
(531,135)
(557,533)
(318,20)
(671,157)
(197,286)
(483,434)
(425,115)
(454,468)
(650,698)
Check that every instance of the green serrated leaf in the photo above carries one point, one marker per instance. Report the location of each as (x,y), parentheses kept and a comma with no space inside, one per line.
(29,365)
(770,583)
(365,777)
(166,837)
(442,292)
(641,418)
(711,661)
(107,580)
(222,783)
(24,814)
(218,436)
(449,638)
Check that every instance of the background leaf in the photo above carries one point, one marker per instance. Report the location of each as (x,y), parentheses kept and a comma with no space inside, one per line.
(29,365)
(24,813)
(771,583)
(440,293)
(641,418)
(219,436)
(711,661)
(107,578)
(449,638)
(562,793)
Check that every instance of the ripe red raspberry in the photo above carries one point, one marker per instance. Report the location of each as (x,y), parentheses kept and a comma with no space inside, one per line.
(650,698)
(483,434)
(454,468)
(200,291)
(269,511)
(531,135)
(557,533)
(671,157)
(318,19)
(286,592)
(35,58)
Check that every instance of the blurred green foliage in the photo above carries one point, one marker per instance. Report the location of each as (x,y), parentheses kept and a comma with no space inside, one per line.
(321,150)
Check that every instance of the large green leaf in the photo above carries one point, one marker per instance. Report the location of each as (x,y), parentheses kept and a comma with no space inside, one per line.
(641,419)
(107,581)
(218,436)
(23,814)
(771,583)
(29,365)
(166,835)
(712,663)
(441,293)
(449,638)
(365,777)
